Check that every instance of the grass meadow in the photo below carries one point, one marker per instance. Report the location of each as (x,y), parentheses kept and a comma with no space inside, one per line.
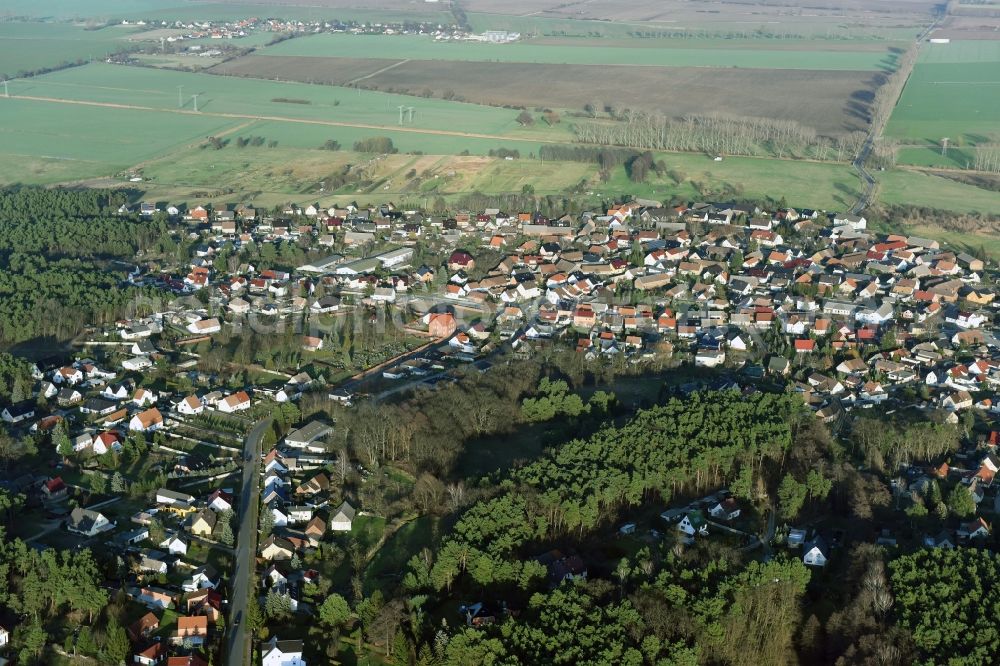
(425,48)
(922,189)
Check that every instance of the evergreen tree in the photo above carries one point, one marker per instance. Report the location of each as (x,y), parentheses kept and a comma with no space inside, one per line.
(61,440)
(960,502)
(266,522)
(98,483)
(334,611)
(116,643)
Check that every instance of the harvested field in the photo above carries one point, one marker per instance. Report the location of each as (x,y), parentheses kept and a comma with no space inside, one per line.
(969,27)
(652,10)
(655,53)
(832,102)
(692,42)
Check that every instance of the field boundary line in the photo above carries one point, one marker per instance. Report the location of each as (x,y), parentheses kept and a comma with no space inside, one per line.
(376,73)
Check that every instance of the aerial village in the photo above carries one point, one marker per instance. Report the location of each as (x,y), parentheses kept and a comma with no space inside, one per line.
(814,302)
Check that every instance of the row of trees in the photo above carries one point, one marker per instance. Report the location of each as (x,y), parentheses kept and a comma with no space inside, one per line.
(887,94)
(377,144)
(986,158)
(886,444)
(718,134)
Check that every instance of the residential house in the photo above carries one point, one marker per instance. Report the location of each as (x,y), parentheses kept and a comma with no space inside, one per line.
(220,501)
(236,402)
(693,523)
(343,518)
(207,602)
(18,412)
(190,406)
(726,510)
(316,529)
(175,545)
(320,483)
(137,363)
(172,497)
(155,597)
(276,548)
(816,552)
(87,522)
(202,578)
(976,529)
(146,421)
(152,655)
(203,523)
(144,627)
(191,629)
(281,653)
(98,407)
(302,438)
(54,489)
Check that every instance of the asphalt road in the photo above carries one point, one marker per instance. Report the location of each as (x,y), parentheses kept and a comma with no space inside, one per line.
(238,647)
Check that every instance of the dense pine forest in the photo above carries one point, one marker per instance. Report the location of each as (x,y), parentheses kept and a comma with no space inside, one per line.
(713,602)
(55,252)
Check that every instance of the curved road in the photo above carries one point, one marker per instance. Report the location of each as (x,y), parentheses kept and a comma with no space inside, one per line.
(238,646)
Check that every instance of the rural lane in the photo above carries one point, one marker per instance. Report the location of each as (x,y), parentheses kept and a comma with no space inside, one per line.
(867,180)
(238,647)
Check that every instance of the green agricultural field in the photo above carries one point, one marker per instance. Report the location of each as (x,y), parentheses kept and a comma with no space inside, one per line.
(270,100)
(424,48)
(47,143)
(952,93)
(28,47)
(979,50)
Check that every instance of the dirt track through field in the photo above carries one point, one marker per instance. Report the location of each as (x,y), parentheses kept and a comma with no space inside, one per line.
(376,73)
(282,119)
